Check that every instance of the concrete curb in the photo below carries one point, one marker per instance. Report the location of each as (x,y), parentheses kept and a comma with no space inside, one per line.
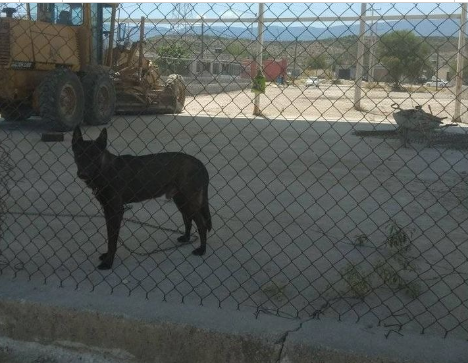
(13,351)
(159,332)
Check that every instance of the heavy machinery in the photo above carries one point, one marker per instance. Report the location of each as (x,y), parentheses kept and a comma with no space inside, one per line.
(69,63)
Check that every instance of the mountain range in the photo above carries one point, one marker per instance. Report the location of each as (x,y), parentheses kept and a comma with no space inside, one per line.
(423,28)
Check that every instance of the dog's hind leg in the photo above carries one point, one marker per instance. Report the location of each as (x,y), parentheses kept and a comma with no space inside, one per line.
(114,215)
(181,203)
(201,225)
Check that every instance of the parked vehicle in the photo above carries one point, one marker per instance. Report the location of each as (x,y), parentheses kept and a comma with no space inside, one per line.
(312,81)
(439,83)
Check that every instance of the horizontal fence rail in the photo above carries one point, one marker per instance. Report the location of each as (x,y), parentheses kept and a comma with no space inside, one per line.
(283,20)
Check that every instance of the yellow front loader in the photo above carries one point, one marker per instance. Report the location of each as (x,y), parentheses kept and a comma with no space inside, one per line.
(64,62)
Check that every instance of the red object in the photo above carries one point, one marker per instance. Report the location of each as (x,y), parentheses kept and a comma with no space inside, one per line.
(272,69)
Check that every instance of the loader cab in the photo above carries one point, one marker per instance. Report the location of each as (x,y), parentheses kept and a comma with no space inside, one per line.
(70,14)
(94,19)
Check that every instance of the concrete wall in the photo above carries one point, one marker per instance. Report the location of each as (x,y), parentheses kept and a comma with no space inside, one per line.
(215,85)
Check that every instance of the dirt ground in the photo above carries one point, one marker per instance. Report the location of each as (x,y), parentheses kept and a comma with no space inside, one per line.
(296,202)
(330,102)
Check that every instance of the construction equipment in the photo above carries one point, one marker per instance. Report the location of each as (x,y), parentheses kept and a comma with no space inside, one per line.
(60,61)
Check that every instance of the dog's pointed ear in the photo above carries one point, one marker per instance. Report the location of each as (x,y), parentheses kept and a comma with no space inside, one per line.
(102,139)
(77,135)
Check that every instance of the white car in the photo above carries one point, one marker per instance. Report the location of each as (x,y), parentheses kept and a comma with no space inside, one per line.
(312,81)
(439,83)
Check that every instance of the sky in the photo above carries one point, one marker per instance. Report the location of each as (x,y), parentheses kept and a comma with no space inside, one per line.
(249,10)
(155,11)
(276,10)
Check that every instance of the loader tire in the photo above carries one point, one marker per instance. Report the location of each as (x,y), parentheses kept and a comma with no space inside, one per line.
(176,83)
(61,99)
(99,97)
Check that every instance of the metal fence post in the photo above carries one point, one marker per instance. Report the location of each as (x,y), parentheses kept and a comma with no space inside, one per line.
(460,64)
(374,35)
(140,47)
(360,59)
(259,57)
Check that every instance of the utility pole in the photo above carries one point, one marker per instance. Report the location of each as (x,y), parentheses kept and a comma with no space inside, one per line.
(202,38)
(202,50)
(372,46)
(295,61)
(360,59)
(460,63)
(259,57)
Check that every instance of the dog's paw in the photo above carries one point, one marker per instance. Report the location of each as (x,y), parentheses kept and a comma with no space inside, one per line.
(183,239)
(200,251)
(105,265)
(103,256)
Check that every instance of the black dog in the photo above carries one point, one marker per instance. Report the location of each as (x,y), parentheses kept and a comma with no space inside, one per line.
(118,180)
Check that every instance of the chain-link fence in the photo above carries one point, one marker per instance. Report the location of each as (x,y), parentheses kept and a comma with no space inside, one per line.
(333,136)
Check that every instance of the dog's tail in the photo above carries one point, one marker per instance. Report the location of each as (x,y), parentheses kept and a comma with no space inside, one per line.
(206,208)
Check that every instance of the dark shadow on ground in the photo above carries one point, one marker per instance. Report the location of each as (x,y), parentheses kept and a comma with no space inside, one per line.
(33,124)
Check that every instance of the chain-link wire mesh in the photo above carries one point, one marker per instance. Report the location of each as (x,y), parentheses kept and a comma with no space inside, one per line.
(345,195)
(5,170)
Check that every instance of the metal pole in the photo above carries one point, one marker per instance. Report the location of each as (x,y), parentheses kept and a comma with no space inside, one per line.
(295,61)
(437,70)
(460,64)
(360,59)
(374,36)
(111,37)
(202,39)
(259,58)
(140,58)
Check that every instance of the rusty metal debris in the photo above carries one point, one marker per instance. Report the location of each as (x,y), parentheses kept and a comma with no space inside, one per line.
(417,119)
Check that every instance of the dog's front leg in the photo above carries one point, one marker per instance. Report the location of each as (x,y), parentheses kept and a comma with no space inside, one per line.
(114,214)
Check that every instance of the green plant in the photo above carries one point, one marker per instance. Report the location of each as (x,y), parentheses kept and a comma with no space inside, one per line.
(398,238)
(317,62)
(358,282)
(238,49)
(403,54)
(361,239)
(274,290)
(173,58)
(389,271)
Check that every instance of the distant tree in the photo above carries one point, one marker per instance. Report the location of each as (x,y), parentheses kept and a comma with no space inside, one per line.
(238,50)
(173,58)
(317,62)
(337,60)
(403,54)
(453,69)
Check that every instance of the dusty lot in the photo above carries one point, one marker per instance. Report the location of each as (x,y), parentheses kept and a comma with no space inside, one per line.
(289,199)
(330,102)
